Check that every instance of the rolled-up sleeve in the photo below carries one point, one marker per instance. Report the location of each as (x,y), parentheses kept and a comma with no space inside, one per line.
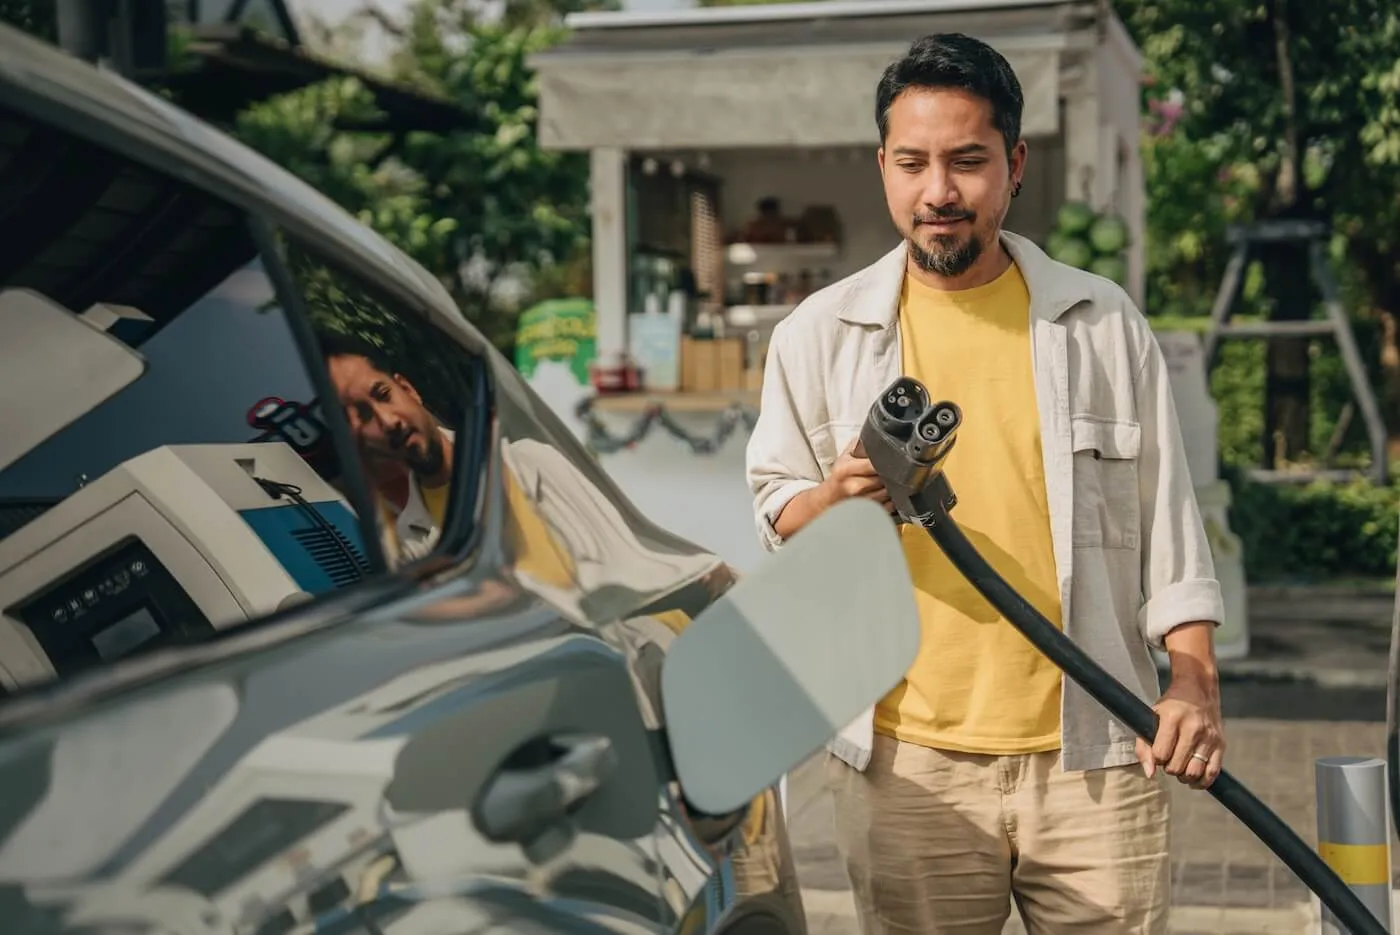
(779,461)
(1178,573)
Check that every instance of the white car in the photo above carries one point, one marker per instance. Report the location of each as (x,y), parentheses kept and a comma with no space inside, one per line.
(314,619)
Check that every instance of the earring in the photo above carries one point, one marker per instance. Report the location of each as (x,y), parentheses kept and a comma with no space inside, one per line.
(1015,189)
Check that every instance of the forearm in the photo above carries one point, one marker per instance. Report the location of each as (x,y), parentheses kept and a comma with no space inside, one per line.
(1191,651)
(801,510)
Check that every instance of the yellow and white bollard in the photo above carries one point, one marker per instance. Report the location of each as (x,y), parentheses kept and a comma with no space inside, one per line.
(1353,830)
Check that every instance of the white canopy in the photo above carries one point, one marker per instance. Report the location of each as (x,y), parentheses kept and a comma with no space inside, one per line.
(800,74)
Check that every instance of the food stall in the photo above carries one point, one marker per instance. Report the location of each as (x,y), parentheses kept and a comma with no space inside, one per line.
(733,171)
(733,159)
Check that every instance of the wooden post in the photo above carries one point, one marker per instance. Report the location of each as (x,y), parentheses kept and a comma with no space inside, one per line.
(608,181)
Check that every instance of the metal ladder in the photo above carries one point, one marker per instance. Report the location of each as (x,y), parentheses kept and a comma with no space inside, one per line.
(1335,324)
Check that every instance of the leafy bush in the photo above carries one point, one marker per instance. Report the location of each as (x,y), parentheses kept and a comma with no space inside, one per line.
(1321,530)
(1237,384)
(1291,531)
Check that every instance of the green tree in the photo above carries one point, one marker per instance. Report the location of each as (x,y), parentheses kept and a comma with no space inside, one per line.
(1286,110)
(517,209)
(479,207)
(297,130)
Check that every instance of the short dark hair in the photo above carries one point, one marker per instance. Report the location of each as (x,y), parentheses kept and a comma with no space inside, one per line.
(953,60)
(338,344)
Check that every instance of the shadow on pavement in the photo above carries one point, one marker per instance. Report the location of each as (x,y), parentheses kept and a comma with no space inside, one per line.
(1299,700)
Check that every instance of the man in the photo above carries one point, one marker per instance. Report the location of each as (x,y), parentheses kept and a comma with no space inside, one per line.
(406,454)
(984,776)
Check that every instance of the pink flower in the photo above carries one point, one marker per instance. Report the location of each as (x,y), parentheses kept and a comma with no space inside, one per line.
(1167,113)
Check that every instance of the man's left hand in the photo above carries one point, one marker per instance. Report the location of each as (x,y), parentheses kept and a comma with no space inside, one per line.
(1190,742)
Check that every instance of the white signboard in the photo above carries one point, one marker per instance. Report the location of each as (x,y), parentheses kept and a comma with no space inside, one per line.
(1195,408)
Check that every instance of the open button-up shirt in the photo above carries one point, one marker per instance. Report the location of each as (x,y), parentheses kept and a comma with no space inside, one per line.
(1131,555)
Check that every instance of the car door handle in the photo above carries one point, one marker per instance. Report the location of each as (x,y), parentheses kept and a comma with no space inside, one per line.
(530,800)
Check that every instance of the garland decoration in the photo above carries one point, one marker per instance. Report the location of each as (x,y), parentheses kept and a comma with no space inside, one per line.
(602,441)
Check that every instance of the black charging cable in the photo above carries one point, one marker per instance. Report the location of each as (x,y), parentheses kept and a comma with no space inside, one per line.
(908,456)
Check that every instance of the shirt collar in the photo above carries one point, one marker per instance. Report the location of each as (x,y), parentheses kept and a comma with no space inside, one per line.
(872,295)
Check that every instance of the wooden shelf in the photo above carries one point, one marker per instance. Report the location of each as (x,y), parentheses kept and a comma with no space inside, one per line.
(747,254)
(763,312)
(637,403)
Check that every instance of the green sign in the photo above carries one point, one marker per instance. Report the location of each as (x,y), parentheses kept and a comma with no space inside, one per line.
(557,329)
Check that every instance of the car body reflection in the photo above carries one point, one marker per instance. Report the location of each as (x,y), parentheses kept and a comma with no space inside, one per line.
(465,736)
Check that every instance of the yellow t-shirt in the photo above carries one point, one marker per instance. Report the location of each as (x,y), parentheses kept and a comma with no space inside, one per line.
(538,552)
(435,502)
(977,685)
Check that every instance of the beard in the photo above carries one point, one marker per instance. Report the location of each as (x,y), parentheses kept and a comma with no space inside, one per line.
(431,460)
(948,255)
(422,452)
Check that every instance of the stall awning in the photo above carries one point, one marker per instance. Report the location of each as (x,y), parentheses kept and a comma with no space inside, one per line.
(708,82)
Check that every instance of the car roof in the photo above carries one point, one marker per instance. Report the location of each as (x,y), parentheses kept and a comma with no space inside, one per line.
(96,104)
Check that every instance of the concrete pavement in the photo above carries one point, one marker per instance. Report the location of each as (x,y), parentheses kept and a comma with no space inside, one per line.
(1224,880)
(1336,637)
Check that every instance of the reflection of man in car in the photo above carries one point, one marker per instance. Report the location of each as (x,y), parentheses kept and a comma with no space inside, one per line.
(572,545)
(405,452)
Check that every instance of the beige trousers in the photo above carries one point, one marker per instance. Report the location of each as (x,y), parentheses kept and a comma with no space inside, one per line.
(938,842)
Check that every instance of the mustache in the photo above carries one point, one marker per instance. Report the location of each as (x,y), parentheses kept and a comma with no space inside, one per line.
(944,214)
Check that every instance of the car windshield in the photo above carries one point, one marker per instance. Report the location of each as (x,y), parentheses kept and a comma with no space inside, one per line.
(198,490)
(213,341)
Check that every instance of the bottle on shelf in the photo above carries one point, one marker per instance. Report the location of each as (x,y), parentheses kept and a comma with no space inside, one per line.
(804,285)
(783,292)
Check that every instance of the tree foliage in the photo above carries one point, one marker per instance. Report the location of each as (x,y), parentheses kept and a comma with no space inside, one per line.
(483,207)
(1268,110)
(1286,108)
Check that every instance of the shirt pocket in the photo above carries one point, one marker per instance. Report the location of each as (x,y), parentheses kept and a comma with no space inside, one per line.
(830,439)
(1107,510)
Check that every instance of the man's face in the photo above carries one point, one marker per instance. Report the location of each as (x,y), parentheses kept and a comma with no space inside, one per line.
(386,415)
(947,177)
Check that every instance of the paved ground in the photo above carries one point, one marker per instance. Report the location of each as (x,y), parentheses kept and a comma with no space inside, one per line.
(1337,638)
(1313,687)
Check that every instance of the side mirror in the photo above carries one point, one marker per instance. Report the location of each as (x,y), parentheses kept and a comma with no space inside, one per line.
(788,656)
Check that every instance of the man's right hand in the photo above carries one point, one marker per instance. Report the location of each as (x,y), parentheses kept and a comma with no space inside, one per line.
(852,476)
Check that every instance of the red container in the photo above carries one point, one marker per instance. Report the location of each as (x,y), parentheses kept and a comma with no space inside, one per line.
(620,377)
